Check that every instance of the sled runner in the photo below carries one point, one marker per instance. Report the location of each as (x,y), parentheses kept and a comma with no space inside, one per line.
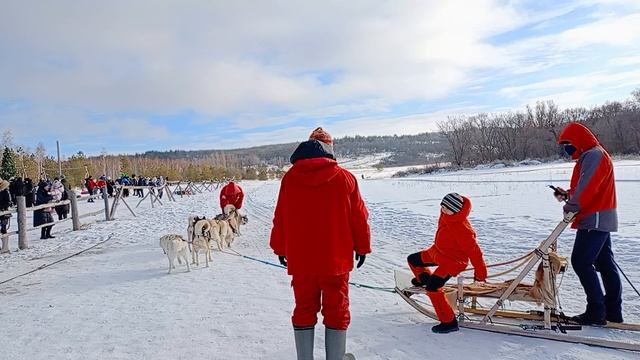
(549,324)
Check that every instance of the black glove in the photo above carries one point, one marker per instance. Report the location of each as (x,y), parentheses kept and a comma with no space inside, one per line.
(283,260)
(360,259)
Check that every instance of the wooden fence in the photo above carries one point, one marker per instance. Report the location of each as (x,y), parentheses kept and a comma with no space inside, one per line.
(109,210)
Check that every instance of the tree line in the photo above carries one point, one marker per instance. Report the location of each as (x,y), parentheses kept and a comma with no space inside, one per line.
(463,140)
(533,132)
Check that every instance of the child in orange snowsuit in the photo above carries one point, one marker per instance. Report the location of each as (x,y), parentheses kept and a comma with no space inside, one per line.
(455,244)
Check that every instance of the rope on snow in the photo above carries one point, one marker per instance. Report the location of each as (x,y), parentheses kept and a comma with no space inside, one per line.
(358,285)
(44,266)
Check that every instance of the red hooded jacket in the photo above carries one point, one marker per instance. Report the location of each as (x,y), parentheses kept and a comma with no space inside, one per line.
(231,194)
(592,191)
(320,219)
(90,183)
(455,244)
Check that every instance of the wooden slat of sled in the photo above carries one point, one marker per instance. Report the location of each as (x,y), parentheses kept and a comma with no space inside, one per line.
(514,314)
(512,330)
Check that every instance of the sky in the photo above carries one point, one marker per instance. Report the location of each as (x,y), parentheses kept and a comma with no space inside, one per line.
(131,76)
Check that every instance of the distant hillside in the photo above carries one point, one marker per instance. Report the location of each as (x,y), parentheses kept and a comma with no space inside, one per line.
(403,150)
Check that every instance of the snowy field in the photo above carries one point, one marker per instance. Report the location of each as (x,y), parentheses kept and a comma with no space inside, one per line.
(117,302)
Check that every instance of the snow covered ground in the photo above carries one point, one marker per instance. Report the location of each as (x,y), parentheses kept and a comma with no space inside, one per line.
(364,167)
(117,302)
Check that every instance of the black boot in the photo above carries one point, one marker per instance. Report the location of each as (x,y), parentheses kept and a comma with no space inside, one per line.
(444,328)
(587,319)
(49,236)
(615,317)
(43,233)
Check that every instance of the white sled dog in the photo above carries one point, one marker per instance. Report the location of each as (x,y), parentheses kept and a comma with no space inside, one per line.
(176,247)
(235,219)
(191,221)
(222,232)
(202,233)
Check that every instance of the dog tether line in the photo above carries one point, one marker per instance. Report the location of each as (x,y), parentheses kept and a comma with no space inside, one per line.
(358,285)
(44,266)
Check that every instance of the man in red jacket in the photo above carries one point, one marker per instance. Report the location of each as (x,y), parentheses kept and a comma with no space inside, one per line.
(593,197)
(455,244)
(320,221)
(231,194)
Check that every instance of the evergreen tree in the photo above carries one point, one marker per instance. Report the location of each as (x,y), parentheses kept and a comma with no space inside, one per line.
(8,167)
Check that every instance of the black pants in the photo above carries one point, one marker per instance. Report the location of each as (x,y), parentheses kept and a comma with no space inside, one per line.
(4,224)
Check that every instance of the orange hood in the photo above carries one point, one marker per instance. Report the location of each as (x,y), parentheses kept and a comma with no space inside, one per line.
(579,136)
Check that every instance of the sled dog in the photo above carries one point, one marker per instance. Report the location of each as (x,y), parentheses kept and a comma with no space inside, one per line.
(176,247)
(202,233)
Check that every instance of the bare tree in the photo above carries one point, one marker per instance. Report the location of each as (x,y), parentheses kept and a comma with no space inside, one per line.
(40,154)
(457,131)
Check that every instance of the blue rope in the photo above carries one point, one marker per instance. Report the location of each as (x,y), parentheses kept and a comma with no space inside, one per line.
(358,285)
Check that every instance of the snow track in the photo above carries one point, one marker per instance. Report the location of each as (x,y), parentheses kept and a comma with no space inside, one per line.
(117,302)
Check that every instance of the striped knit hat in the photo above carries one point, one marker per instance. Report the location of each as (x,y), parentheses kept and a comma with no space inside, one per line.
(453,202)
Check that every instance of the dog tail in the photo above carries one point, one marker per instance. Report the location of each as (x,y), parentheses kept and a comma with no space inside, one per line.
(202,227)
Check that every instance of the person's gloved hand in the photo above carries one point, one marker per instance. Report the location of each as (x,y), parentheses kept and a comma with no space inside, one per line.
(360,259)
(283,260)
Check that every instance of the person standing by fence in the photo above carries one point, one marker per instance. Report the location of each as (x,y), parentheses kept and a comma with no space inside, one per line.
(16,188)
(43,216)
(63,210)
(91,185)
(28,192)
(5,204)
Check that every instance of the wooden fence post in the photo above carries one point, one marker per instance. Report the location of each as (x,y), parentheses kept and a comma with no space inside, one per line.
(23,242)
(105,196)
(75,215)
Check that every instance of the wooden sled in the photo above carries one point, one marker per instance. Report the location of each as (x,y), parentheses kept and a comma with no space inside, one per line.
(548,324)
(529,329)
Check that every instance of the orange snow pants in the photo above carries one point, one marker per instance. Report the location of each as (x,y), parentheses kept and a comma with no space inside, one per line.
(419,264)
(329,293)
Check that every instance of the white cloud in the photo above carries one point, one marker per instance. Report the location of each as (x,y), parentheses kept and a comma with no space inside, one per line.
(220,58)
(265,64)
(585,82)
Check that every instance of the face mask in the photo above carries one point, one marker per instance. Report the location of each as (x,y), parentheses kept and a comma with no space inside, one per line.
(569,149)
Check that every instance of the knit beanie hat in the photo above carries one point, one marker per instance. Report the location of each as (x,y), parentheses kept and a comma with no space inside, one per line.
(453,202)
(321,135)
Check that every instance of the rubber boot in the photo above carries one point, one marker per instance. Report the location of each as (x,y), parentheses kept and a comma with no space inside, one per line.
(304,342)
(335,343)
(43,233)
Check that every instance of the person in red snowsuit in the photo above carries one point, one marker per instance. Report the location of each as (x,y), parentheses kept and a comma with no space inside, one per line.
(455,244)
(101,183)
(231,194)
(91,186)
(320,221)
(593,197)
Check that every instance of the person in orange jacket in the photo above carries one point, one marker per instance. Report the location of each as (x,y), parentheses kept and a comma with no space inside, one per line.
(455,244)
(320,223)
(592,197)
